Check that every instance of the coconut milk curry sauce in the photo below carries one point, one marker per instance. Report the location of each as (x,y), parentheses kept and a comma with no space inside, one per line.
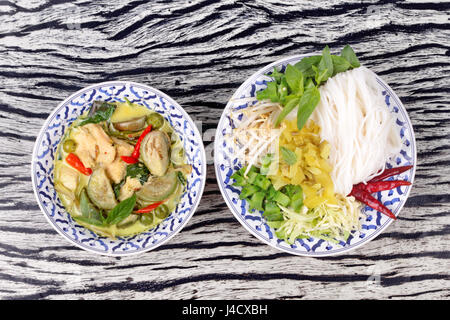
(120,169)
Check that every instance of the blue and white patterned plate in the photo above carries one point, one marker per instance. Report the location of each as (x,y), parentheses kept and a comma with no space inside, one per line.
(372,225)
(51,134)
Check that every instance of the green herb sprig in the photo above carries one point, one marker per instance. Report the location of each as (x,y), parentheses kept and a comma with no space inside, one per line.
(102,113)
(121,211)
(298,85)
(94,216)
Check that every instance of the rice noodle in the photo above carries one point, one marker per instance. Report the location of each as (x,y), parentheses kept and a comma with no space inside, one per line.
(254,132)
(358,126)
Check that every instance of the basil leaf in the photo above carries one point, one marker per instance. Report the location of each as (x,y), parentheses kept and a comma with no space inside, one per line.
(309,83)
(325,67)
(282,90)
(294,78)
(117,187)
(121,211)
(103,113)
(181,178)
(88,210)
(288,156)
(276,75)
(350,56)
(269,93)
(340,64)
(307,104)
(138,170)
(305,65)
(287,108)
(88,221)
(320,75)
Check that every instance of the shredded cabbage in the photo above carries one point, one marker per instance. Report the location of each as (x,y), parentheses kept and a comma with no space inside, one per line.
(326,221)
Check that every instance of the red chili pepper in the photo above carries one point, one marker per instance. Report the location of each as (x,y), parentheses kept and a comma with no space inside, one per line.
(391,172)
(75,162)
(376,186)
(135,155)
(365,197)
(150,208)
(129,160)
(137,147)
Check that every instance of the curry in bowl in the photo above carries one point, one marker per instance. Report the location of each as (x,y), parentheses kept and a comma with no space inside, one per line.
(120,169)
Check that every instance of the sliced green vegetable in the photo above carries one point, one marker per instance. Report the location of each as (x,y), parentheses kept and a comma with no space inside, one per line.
(281,198)
(239,181)
(252,175)
(297,199)
(248,191)
(256,201)
(266,161)
(272,212)
(262,182)
(132,125)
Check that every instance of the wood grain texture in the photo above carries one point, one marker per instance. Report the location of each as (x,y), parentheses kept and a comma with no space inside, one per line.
(199,52)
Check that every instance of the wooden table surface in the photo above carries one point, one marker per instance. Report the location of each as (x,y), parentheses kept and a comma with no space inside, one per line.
(199,52)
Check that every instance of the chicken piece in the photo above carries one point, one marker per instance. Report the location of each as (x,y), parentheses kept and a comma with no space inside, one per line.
(123,148)
(130,186)
(86,148)
(106,152)
(116,170)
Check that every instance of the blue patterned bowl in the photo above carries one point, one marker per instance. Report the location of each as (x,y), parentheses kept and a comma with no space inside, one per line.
(51,134)
(372,225)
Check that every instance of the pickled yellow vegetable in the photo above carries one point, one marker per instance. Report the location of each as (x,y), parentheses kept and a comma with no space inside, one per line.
(312,170)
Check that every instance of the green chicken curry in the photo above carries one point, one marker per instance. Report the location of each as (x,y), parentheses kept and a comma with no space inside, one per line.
(121,169)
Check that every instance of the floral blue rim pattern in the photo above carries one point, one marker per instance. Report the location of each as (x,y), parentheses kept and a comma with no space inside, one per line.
(53,130)
(374,222)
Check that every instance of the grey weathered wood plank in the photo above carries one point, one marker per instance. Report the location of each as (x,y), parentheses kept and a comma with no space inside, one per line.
(199,52)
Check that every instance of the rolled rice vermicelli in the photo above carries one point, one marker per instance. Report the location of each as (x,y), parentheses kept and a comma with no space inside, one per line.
(354,120)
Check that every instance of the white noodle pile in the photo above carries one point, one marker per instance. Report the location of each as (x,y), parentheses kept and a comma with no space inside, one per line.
(360,129)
